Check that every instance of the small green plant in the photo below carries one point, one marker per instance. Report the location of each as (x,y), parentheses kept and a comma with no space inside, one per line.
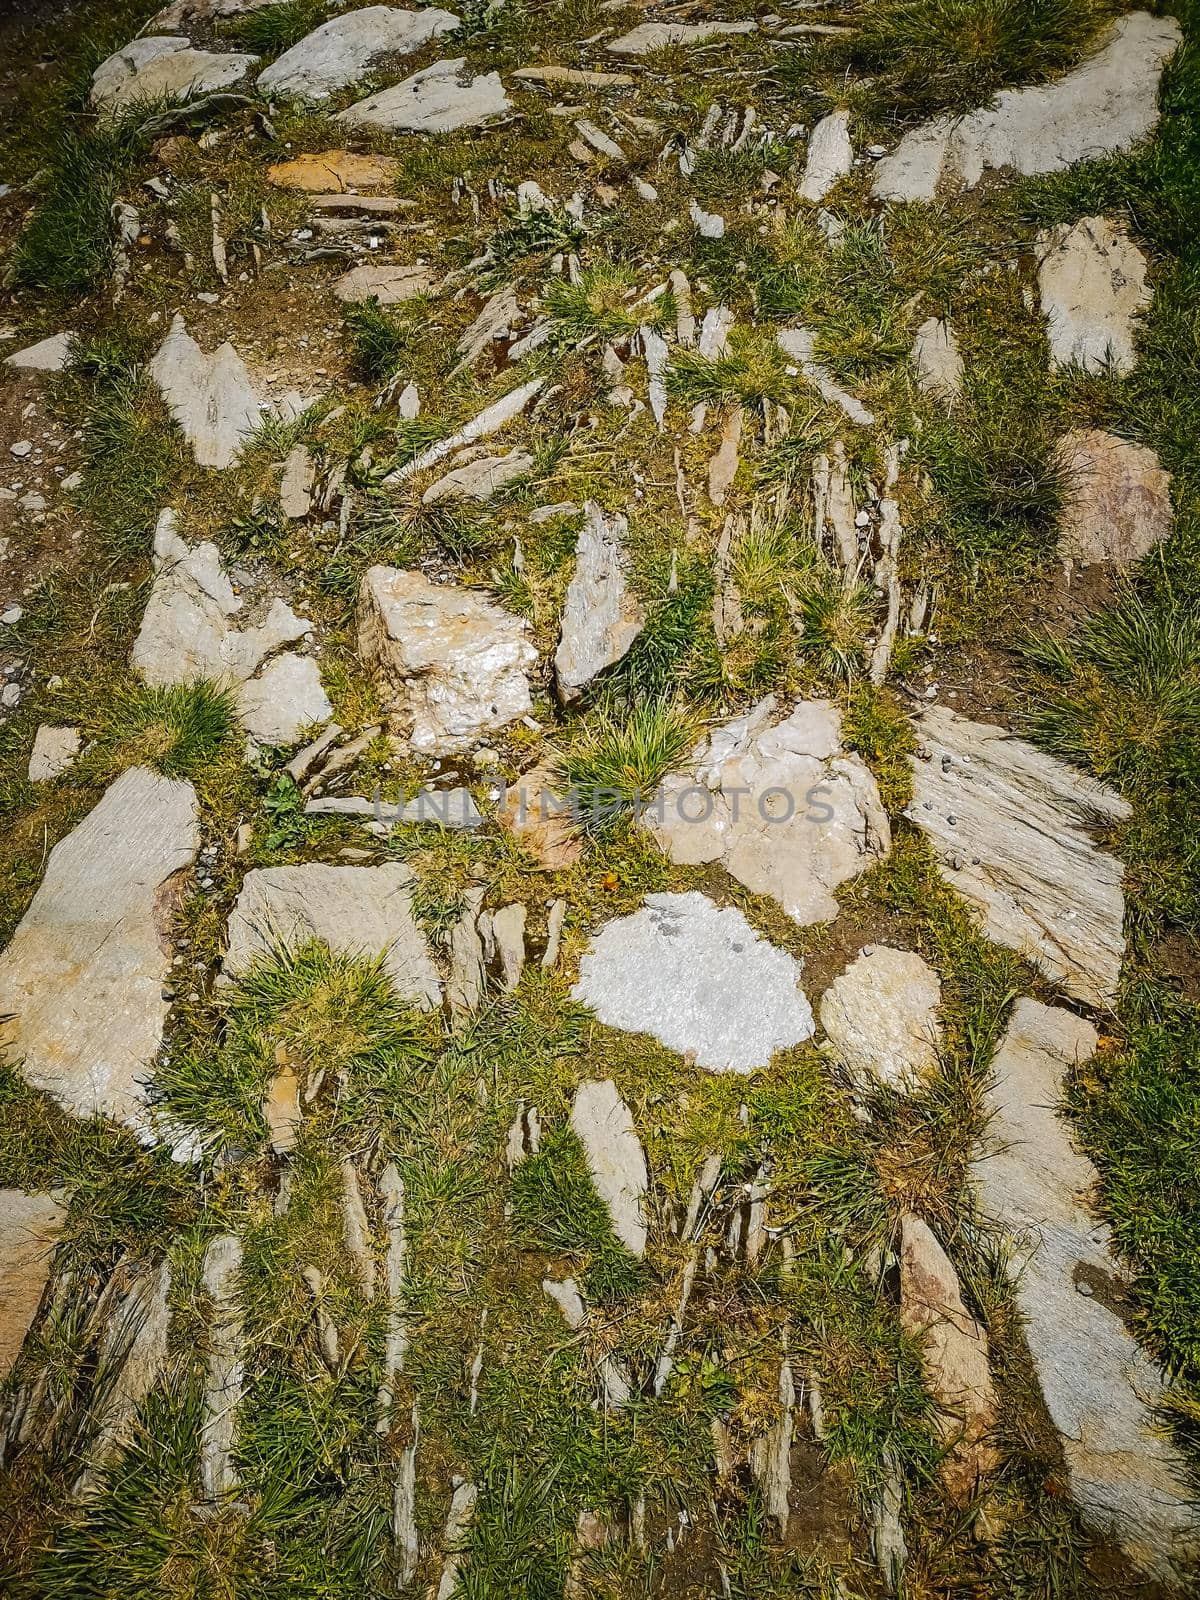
(379,339)
(179,729)
(755,369)
(540,231)
(619,761)
(284,806)
(606,301)
(271,29)
(833,623)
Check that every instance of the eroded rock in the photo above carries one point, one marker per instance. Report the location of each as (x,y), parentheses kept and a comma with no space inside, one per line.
(54,750)
(1117,499)
(604,1126)
(1092,279)
(210,397)
(48,355)
(81,983)
(29,1228)
(284,701)
(830,156)
(224,1375)
(1099,1386)
(881,1019)
(1108,103)
(390,285)
(452,664)
(937,360)
(439,99)
(335,172)
(602,615)
(699,980)
(343,50)
(782,806)
(480,479)
(648,36)
(539,816)
(160,67)
(360,910)
(1010,827)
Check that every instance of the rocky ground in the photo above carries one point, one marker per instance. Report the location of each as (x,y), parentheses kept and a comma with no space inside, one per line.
(600,650)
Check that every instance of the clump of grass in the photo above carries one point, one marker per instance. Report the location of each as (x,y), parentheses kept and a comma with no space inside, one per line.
(833,623)
(955,54)
(274,28)
(753,370)
(380,340)
(619,761)
(556,1208)
(179,729)
(605,301)
(66,246)
(874,725)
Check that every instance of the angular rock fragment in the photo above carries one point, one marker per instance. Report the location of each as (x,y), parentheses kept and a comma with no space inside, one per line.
(954,1350)
(830,156)
(1092,281)
(937,360)
(480,479)
(490,420)
(359,910)
(700,980)
(604,1126)
(451,663)
(54,750)
(343,50)
(81,983)
(508,931)
(210,397)
(439,99)
(284,700)
(48,355)
(443,808)
(156,68)
(454,1537)
(390,285)
(1117,499)
(1010,827)
(468,979)
(539,816)
(881,1019)
(1099,1387)
(29,1228)
(224,1376)
(395,1268)
(576,77)
(602,615)
(335,171)
(781,806)
(648,36)
(281,1109)
(1106,104)
(771,1455)
(356,1230)
(296,485)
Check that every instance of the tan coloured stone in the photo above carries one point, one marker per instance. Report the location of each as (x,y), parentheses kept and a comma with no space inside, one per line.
(1117,503)
(335,171)
(29,1228)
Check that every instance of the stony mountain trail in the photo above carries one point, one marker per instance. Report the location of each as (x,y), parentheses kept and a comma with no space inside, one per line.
(599,675)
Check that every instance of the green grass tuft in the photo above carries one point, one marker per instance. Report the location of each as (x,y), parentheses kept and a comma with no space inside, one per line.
(618,761)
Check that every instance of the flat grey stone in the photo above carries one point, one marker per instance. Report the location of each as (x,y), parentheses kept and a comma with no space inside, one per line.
(1010,829)
(781,805)
(604,1126)
(359,910)
(696,977)
(444,808)
(343,50)
(390,285)
(48,355)
(1117,499)
(480,479)
(54,749)
(210,396)
(1092,279)
(81,983)
(284,700)
(439,99)
(602,615)
(830,156)
(29,1228)
(224,1379)
(648,36)
(881,1019)
(158,67)
(1100,1388)
(296,484)
(937,360)
(1109,103)
(451,663)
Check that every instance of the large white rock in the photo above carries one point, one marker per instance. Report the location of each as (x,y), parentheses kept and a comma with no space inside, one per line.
(602,615)
(1092,279)
(48,355)
(29,1228)
(1108,103)
(1117,499)
(439,99)
(830,156)
(210,397)
(780,805)
(1098,1385)
(648,36)
(604,1126)
(359,910)
(700,980)
(452,663)
(81,984)
(342,50)
(1010,828)
(284,700)
(163,67)
(881,1019)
